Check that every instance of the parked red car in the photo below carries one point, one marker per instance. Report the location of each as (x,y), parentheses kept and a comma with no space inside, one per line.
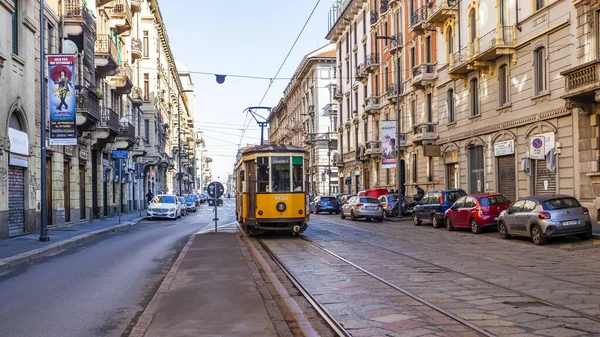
(476,211)
(373,192)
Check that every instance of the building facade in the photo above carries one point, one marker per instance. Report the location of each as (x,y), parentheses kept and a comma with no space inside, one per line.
(307,116)
(83,182)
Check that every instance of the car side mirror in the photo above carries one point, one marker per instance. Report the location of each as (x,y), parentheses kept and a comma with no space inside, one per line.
(508,211)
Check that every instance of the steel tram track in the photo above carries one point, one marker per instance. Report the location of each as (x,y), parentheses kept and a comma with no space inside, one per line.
(532,297)
(328,317)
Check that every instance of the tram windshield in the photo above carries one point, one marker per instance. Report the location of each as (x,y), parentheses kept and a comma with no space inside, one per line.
(280,172)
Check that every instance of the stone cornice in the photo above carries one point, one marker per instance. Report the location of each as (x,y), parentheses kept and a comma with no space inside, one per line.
(507,125)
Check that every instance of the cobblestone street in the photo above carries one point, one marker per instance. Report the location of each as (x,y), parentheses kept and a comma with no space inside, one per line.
(504,288)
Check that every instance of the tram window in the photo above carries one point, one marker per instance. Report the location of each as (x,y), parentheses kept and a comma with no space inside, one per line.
(242,175)
(262,174)
(280,168)
(297,173)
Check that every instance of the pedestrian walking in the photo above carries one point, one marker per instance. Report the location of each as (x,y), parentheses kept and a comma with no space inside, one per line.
(149,196)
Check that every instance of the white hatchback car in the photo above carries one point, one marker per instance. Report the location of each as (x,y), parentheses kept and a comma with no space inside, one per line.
(164,206)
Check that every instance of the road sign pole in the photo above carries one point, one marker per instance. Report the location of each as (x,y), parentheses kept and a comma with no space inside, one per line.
(120,163)
(216,216)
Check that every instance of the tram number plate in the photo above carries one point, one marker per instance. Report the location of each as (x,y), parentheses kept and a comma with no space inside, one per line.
(281,198)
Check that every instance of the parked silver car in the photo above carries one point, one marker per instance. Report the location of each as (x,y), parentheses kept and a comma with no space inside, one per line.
(362,207)
(543,217)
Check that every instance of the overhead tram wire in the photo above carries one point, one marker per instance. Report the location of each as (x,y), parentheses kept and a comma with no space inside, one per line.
(282,64)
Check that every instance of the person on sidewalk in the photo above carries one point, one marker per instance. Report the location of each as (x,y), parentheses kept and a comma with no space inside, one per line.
(149,196)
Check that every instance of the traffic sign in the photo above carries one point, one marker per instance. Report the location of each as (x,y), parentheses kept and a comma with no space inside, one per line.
(536,148)
(119,154)
(215,189)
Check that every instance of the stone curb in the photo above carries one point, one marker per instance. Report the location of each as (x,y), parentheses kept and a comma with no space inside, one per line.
(143,323)
(63,245)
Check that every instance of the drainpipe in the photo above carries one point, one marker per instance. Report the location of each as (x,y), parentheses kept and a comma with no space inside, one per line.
(517,15)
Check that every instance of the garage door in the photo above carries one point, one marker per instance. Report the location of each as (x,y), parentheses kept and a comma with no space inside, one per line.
(16,200)
(543,182)
(507,177)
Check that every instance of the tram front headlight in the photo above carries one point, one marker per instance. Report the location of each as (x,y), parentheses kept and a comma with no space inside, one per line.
(281,207)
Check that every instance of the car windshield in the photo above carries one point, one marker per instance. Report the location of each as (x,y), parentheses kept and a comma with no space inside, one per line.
(190,198)
(369,200)
(327,199)
(163,199)
(392,197)
(181,200)
(560,203)
(493,200)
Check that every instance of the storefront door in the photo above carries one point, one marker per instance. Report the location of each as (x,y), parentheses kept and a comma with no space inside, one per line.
(16,200)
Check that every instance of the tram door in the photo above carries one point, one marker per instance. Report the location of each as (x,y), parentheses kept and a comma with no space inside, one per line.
(251,190)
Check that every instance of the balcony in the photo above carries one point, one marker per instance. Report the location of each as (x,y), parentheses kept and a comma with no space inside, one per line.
(374,17)
(361,72)
(360,153)
(373,149)
(403,139)
(372,62)
(392,92)
(493,45)
(126,136)
(100,3)
(122,80)
(338,161)
(423,75)
(136,5)
(106,56)
(372,104)
(459,62)
(120,17)
(136,48)
(338,95)
(582,86)
(423,132)
(441,10)
(418,20)
(137,96)
(108,126)
(311,110)
(77,17)
(396,44)
(88,109)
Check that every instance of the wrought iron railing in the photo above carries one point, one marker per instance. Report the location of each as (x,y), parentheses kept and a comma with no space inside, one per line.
(372,102)
(106,45)
(419,16)
(121,9)
(396,42)
(127,130)
(459,58)
(487,41)
(109,119)
(438,5)
(372,60)
(89,101)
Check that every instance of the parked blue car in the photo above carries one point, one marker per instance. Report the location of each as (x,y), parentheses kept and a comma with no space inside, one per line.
(434,205)
(324,204)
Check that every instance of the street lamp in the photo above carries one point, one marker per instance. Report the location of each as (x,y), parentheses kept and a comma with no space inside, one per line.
(179,174)
(399,85)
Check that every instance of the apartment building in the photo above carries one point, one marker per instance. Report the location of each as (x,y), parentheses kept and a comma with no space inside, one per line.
(357,161)
(307,116)
(83,181)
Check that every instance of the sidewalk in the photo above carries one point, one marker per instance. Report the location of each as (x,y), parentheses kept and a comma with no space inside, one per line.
(209,291)
(25,248)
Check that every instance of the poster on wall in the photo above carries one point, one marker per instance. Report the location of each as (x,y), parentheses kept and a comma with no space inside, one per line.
(388,144)
(62,100)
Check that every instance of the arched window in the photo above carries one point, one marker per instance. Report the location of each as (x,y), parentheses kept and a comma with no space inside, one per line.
(474,96)
(539,70)
(503,85)
(450,102)
(15,122)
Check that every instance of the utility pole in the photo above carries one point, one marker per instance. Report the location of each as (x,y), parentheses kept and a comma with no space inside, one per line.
(43,225)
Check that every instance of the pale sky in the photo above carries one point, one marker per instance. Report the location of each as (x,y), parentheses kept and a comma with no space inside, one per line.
(239,38)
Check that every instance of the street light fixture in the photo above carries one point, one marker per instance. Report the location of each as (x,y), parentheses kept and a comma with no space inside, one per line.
(399,186)
(179,150)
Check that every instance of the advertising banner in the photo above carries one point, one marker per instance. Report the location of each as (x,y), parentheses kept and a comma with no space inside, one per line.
(62,100)
(388,144)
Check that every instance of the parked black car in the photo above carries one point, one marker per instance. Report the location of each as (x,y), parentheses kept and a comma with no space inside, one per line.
(434,205)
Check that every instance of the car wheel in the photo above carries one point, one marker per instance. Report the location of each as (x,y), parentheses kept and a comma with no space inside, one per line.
(342,215)
(435,222)
(352,216)
(475,227)
(449,224)
(585,236)
(368,219)
(503,230)
(537,235)
(416,220)
(330,212)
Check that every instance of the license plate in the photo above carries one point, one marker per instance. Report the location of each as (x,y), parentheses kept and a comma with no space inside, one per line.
(371,207)
(570,223)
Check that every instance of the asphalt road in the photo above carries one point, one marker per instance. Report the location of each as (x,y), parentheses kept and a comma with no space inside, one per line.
(97,289)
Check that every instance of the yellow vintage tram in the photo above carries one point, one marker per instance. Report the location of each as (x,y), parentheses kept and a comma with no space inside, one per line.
(270,189)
